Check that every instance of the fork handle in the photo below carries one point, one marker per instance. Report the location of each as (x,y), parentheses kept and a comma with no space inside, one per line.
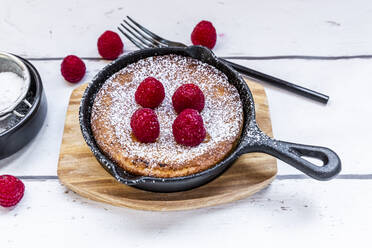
(279,83)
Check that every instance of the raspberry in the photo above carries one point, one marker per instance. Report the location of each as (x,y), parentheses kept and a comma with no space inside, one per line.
(110,45)
(150,93)
(188,96)
(73,69)
(204,34)
(11,190)
(188,128)
(145,125)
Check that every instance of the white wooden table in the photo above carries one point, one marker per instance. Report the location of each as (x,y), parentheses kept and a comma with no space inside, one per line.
(294,211)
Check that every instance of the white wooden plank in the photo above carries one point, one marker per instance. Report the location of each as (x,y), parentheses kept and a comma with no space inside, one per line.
(45,28)
(342,125)
(289,213)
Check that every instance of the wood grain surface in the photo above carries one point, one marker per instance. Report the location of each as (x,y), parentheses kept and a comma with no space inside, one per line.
(80,171)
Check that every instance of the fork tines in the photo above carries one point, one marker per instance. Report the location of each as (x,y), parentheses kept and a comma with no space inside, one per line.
(142,38)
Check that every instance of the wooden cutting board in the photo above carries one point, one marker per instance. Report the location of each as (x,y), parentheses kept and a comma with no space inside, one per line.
(79,171)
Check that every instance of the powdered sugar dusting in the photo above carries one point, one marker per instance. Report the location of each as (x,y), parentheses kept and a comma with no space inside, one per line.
(222,114)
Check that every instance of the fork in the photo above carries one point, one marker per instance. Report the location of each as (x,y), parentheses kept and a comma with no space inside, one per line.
(143,38)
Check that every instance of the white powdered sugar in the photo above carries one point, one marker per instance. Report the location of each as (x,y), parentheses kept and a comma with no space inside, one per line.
(222,114)
(12,87)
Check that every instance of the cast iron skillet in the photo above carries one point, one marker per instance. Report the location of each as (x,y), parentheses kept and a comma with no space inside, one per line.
(251,140)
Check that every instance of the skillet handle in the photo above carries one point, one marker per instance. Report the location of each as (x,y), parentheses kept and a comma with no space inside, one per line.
(292,154)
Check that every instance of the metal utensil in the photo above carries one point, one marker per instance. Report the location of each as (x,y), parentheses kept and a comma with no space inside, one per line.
(144,38)
(10,63)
